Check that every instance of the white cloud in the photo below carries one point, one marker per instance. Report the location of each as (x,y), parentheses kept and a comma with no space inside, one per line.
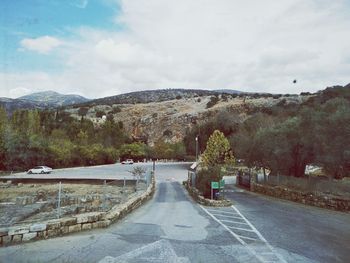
(43,45)
(249,45)
(18,92)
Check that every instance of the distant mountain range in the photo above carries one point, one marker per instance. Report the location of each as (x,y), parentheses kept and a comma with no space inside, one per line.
(159,95)
(54,99)
(51,99)
(40,100)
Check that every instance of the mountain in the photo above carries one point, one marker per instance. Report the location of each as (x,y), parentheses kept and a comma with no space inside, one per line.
(54,99)
(10,105)
(229,91)
(149,96)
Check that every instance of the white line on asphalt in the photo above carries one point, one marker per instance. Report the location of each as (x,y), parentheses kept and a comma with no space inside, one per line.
(250,238)
(233,222)
(243,229)
(228,216)
(240,240)
(260,235)
(224,212)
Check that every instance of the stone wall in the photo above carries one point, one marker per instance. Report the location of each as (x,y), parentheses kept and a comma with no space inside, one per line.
(315,198)
(204,201)
(63,226)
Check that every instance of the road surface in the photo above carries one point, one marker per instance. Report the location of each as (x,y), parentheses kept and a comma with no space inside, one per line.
(172,228)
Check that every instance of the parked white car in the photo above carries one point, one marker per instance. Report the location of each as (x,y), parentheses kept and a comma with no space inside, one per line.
(128,161)
(40,170)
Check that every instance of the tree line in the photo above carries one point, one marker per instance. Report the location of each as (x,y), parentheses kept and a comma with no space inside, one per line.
(54,138)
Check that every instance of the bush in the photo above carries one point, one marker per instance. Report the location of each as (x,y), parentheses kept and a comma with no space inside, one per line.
(205,177)
(116,109)
(100,113)
(213,100)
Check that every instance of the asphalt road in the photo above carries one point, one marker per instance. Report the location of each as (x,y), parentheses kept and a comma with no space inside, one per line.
(172,228)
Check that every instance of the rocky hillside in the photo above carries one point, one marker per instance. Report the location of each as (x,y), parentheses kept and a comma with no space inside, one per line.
(169,120)
(54,99)
(149,96)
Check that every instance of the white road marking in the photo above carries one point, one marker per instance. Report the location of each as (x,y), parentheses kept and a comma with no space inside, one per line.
(223,212)
(243,229)
(215,214)
(249,238)
(234,222)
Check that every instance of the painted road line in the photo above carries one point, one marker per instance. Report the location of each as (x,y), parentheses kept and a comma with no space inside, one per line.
(249,238)
(243,229)
(240,240)
(227,216)
(260,236)
(233,222)
(224,212)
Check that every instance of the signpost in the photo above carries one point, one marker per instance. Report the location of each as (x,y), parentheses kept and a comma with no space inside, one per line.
(214,185)
(217,185)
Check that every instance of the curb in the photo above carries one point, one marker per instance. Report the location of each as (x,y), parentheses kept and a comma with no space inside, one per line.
(194,193)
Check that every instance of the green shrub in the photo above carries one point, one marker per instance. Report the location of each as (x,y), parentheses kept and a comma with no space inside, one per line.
(205,177)
(213,100)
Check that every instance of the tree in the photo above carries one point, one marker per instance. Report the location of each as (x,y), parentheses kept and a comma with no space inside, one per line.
(134,150)
(83,111)
(3,132)
(218,150)
(333,138)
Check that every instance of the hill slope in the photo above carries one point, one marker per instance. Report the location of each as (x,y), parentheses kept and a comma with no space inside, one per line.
(54,99)
(149,96)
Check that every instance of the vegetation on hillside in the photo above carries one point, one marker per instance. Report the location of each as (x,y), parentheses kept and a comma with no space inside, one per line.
(287,138)
(54,138)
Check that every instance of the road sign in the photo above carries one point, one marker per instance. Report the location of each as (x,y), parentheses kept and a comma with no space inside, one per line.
(214,185)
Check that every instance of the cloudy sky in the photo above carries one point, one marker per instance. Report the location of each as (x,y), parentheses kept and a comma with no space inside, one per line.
(99,48)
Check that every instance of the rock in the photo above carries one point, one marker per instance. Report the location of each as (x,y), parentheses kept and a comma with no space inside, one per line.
(82,218)
(53,232)
(16,238)
(68,221)
(86,226)
(3,231)
(88,217)
(42,234)
(64,229)
(101,224)
(74,228)
(18,230)
(37,227)
(6,240)
(54,224)
(29,236)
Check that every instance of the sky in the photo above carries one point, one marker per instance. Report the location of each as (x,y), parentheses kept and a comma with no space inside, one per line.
(99,48)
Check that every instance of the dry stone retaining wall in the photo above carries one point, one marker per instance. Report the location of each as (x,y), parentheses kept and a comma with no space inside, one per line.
(314,199)
(63,226)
